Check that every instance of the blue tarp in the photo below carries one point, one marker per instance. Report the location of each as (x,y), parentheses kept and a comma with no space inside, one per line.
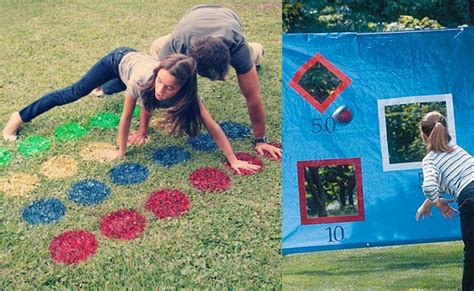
(383,69)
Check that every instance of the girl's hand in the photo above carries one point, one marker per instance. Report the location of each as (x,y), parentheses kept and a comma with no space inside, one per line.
(446,209)
(108,155)
(238,164)
(275,152)
(423,211)
(137,138)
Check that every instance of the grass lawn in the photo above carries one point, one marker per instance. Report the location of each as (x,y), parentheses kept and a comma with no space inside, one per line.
(228,238)
(426,266)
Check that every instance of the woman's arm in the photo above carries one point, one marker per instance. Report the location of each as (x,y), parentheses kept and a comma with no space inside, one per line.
(221,140)
(139,137)
(123,130)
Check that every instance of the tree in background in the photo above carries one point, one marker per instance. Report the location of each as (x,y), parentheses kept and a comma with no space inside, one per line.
(378,15)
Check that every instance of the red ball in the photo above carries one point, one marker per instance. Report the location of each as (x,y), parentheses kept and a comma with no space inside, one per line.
(342,114)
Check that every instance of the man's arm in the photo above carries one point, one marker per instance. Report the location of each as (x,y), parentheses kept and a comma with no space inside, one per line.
(248,83)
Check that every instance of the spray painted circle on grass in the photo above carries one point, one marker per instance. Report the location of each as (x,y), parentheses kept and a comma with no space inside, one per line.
(171,156)
(268,155)
(18,184)
(235,130)
(129,173)
(104,120)
(209,179)
(43,211)
(5,157)
(59,167)
(92,151)
(73,246)
(203,142)
(88,192)
(70,131)
(33,145)
(167,203)
(248,158)
(123,224)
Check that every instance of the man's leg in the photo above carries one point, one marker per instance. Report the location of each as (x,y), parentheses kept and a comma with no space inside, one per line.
(157,45)
(257,53)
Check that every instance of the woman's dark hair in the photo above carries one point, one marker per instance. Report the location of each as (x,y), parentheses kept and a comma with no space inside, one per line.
(212,56)
(435,132)
(183,114)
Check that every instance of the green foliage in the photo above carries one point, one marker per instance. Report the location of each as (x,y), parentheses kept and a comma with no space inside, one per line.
(403,134)
(338,183)
(366,16)
(319,82)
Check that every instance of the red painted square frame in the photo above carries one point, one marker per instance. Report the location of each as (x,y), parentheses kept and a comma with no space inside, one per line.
(333,162)
(318,58)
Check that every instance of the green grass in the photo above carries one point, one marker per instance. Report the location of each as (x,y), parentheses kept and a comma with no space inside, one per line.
(414,267)
(229,238)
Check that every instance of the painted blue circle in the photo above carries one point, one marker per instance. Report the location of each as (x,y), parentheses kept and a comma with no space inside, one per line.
(88,192)
(203,142)
(170,156)
(235,130)
(129,173)
(44,211)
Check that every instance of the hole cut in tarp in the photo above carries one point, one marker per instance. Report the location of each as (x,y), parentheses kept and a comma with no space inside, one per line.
(319,82)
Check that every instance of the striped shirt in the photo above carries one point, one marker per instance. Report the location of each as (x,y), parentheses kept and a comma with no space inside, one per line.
(447,172)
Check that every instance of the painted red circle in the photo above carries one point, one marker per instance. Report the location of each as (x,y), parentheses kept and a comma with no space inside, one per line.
(73,246)
(248,158)
(123,224)
(209,179)
(268,155)
(167,203)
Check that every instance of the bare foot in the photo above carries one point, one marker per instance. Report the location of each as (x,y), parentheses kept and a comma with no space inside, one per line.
(98,92)
(12,126)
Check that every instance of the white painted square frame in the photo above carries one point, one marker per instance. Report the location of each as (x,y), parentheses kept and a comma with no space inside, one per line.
(382,103)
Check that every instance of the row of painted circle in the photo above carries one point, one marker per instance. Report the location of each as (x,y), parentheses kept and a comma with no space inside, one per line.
(35,144)
(72,247)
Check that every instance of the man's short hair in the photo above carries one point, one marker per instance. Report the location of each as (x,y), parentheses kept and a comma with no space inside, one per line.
(212,56)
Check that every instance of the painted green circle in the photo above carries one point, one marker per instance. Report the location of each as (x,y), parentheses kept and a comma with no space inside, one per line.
(5,157)
(69,131)
(33,145)
(104,120)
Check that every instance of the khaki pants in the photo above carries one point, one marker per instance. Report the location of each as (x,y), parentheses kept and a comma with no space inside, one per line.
(255,48)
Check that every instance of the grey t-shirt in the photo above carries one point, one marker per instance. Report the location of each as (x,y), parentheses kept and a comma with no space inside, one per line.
(216,21)
(137,71)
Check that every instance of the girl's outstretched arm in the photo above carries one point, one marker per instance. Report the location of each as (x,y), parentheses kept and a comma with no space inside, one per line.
(123,130)
(139,137)
(221,140)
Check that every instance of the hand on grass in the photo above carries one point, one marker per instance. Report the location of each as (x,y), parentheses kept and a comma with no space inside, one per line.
(108,155)
(446,209)
(137,138)
(238,165)
(262,147)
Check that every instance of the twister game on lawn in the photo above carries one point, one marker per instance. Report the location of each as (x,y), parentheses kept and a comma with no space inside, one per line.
(172,212)
(352,105)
